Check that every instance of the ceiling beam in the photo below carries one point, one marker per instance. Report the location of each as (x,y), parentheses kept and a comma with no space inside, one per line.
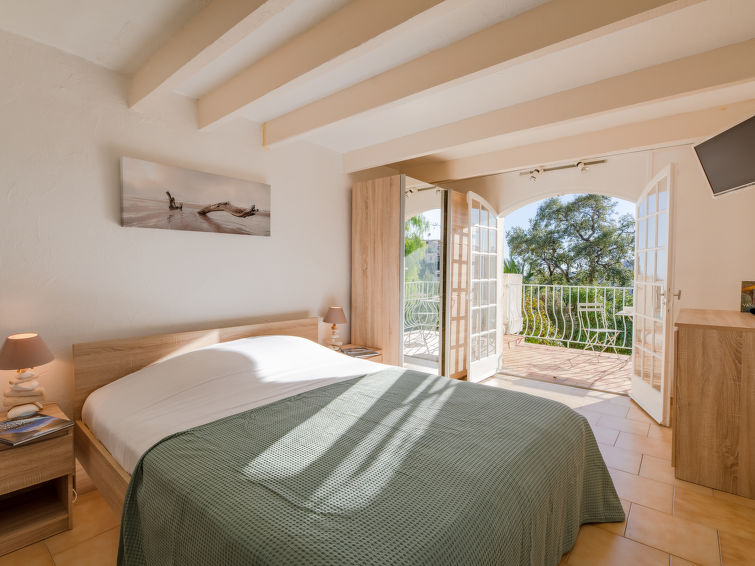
(211,32)
(552,26)
(706,71)
(344,30)
(688,127)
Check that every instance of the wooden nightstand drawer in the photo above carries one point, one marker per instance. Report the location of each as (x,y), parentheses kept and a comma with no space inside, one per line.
(36,484)
(37,462)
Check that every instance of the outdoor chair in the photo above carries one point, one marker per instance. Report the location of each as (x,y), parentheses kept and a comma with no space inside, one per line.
(598,336)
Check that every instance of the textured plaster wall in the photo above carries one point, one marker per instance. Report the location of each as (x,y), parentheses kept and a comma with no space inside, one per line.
(70,271)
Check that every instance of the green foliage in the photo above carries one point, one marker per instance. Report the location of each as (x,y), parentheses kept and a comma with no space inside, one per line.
(415,230)
(510,265)
(412,265)
(579,242)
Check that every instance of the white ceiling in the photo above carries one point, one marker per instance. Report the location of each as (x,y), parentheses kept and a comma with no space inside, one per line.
(664,39)
(639,113)
(296,18)
(121,34)
(436,28)
(117,34)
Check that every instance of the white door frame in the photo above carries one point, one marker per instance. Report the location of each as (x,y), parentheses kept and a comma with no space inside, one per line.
(477,370)
(656,402)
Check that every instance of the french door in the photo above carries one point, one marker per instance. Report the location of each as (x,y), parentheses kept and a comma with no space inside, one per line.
(483,281)
(652,304)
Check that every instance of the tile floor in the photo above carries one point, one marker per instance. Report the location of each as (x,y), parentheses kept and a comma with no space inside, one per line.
(669,522)
(582,368)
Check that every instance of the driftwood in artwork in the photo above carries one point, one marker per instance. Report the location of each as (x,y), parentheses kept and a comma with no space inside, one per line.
(229,208)
(172,204)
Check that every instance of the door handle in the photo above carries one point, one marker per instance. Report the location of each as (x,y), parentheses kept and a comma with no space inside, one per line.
(677,294)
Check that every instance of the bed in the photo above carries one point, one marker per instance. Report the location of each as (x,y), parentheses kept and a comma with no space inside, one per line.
(229,451)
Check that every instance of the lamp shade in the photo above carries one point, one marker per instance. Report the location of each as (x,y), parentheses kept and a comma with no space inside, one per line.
(335,315)
(22,351)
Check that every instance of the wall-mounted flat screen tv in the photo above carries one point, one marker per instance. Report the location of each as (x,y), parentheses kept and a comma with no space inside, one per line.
(728,159)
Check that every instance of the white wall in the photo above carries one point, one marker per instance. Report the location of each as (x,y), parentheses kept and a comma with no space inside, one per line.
(70,271)
(712,236)
(422,201)
(621,176)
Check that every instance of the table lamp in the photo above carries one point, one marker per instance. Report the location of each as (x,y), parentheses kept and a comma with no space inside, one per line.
(23,352)
(334,316)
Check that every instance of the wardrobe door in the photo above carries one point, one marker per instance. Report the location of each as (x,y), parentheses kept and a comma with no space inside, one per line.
(457,275)
(377,250)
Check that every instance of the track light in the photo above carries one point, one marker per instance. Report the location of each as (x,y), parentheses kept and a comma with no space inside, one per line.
(583,166)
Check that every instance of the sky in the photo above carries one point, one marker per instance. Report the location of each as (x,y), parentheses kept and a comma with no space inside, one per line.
(520,217)
(148,179)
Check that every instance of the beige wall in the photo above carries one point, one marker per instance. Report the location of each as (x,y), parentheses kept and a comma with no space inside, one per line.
(70,271)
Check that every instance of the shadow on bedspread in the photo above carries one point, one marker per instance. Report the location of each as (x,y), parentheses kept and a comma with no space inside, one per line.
(396,467)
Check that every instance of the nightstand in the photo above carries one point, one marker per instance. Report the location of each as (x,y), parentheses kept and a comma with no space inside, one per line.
(378,358)
(36,482)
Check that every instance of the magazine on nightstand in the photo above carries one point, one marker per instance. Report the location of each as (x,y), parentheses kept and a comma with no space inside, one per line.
(359,352)
(15,432)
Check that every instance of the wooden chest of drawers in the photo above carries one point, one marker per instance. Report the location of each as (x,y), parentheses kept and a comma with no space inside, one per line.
(714,420)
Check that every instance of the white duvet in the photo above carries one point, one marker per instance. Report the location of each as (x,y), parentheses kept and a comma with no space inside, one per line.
(135,412)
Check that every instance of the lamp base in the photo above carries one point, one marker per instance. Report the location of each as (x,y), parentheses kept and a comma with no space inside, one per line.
(335,341)
(24,390)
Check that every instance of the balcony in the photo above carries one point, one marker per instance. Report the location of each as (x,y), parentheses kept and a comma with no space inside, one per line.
(546,336)
(572,334)
(422,325)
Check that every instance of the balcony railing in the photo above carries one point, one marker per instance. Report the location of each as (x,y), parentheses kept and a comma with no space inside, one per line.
(422,319)
(551,314)
(545,314)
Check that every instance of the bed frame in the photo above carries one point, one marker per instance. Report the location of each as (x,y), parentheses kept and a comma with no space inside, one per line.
(99,363)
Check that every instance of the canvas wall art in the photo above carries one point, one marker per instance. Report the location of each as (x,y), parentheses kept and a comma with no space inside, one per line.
(173,198)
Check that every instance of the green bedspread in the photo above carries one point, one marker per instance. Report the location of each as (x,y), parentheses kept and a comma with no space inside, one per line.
(395,467)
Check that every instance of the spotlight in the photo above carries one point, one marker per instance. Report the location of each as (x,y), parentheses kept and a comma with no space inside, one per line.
(582,166)
(535,173)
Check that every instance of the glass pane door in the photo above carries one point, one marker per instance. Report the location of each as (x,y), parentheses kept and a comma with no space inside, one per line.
(483,282)
(424,269)
(651,305)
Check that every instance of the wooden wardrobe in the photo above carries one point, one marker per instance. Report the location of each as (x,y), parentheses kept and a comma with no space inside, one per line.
(377,277)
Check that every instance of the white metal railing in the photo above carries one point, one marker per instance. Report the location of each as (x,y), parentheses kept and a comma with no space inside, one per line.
(422,318)
(549,313)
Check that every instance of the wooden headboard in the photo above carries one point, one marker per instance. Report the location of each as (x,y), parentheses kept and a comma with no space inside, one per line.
(98,363)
